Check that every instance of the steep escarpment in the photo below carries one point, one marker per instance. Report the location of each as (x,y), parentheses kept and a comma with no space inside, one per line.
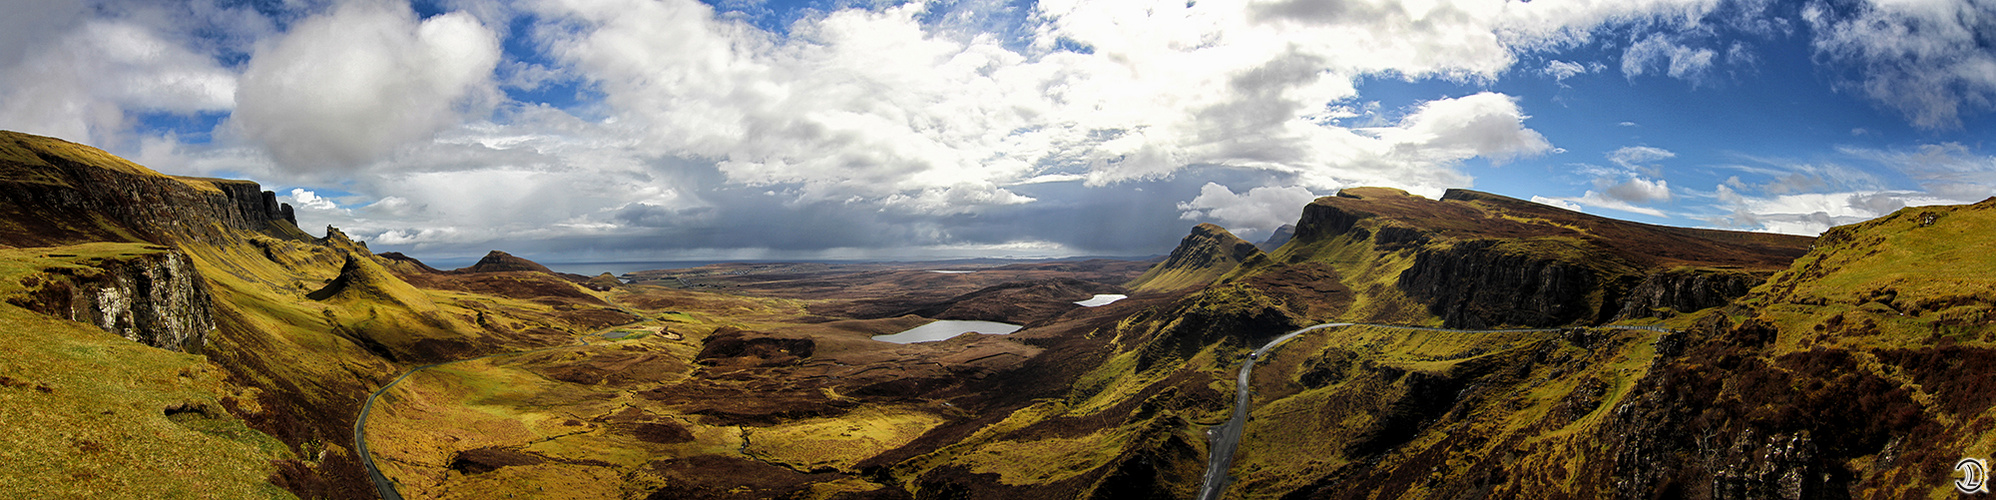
(1663,294)
(1478,285)
(1209,252)
(169,263)
(56,193)
(145,293)
(1480,260)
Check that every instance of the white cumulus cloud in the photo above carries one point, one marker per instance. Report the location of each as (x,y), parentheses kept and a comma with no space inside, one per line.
(85,84)
(350,86)
(1259,209)
(1639,190)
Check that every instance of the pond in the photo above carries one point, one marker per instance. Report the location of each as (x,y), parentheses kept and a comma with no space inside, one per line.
(945,329)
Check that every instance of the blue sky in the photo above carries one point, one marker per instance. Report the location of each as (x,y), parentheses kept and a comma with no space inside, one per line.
(597,130)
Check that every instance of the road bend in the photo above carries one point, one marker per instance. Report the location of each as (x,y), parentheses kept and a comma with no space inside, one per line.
(1226,438)
(382,485)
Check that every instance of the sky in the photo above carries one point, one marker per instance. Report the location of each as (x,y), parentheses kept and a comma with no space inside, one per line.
(646,130)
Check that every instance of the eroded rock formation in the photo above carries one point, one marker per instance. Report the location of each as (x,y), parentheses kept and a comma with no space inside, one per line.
(155,299)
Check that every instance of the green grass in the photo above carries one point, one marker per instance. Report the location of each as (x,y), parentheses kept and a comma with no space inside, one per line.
(20,160)
(1372,274)
(1024,463)
(1891,282)
(1300,434)
(86,410)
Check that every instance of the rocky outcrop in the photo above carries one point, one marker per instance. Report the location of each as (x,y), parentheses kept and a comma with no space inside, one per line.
(1322,220)
(1668,293)
(60,193)
(254,203)
(1203,256)
(1472,285)
(735,347)
(1231,313)
(156,299)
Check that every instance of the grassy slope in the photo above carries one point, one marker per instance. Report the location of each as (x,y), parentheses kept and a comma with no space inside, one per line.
(1205,254)
(86,410)
(1911,297)
(1895,281)
(1330,403)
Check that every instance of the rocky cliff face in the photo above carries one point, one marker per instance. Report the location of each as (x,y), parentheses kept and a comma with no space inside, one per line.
(154,298)
(1472,285)
(1669,293)
(1482,260)
(1328,220)
(58,192)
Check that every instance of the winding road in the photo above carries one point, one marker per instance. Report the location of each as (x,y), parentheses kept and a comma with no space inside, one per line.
(1226,438)
(382,485)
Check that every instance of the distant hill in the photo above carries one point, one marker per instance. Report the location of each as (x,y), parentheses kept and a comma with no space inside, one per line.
(1209,252)
(499,262)
(1277,238)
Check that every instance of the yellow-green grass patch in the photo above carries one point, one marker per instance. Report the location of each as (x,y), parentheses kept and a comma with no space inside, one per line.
(838,442)
(86,415)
